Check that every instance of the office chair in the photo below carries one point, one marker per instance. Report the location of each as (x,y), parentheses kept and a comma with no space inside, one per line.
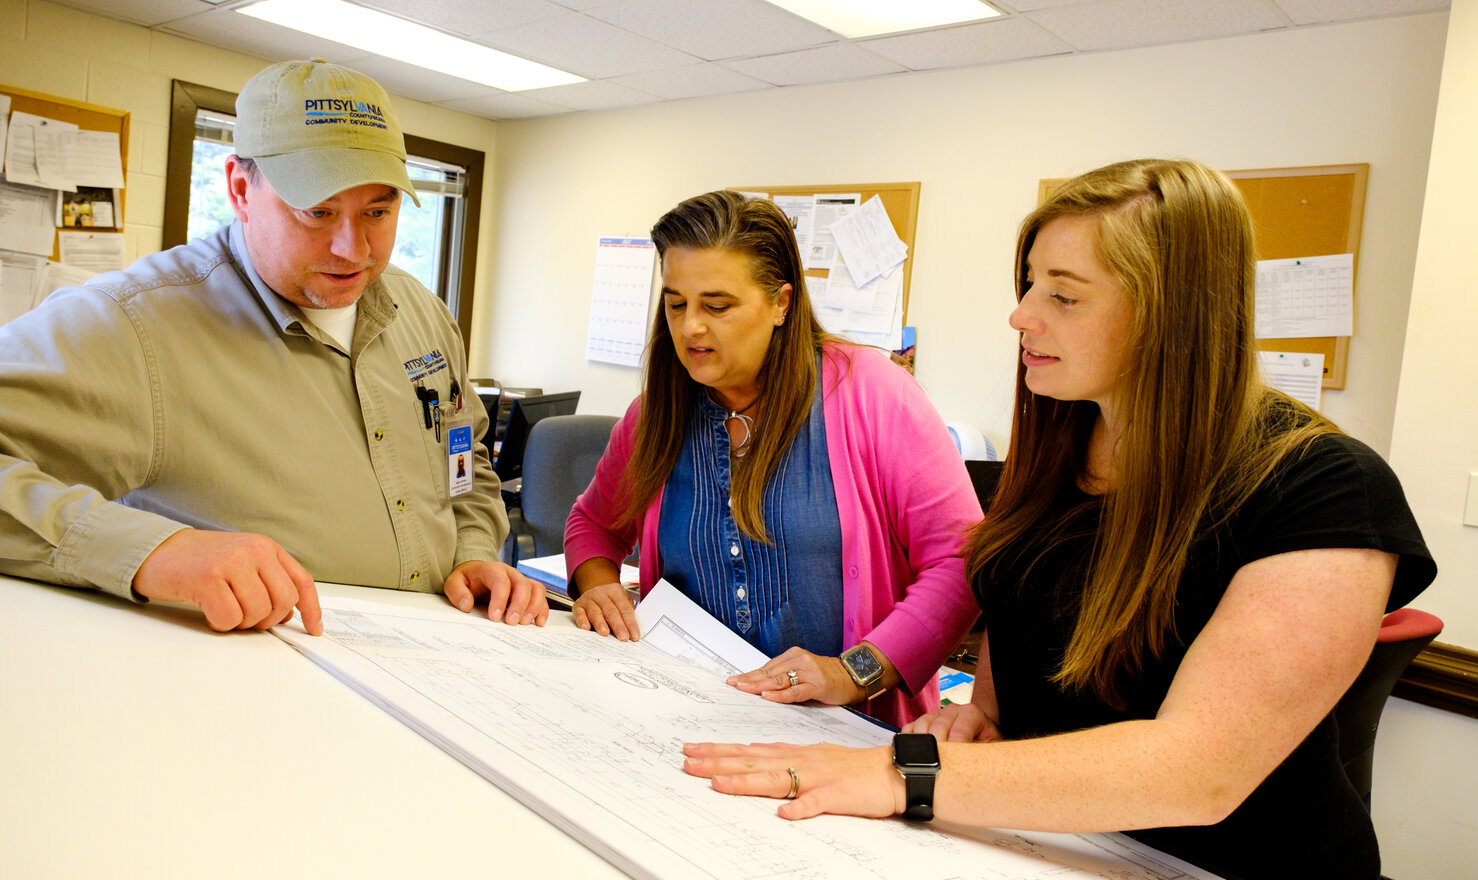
(1403,635)
(558,463)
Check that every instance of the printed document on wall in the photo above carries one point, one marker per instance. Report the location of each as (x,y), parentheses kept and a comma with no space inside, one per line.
(1307,296)
(868,243)
(1298,374)
(620,300)
(830,207)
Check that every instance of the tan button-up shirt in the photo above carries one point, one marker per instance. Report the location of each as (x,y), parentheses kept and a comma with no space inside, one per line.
(183,392)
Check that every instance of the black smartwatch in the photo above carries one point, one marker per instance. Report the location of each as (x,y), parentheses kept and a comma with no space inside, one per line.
(865,669)
(916,755)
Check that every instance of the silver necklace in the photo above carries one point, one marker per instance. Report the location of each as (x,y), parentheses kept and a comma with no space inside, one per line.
(745,422)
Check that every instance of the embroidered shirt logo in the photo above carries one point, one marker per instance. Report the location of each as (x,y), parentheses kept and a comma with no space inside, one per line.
(428,364)
(325,111)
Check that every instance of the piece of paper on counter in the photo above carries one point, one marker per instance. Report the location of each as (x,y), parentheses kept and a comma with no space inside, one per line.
(867,242)
(93,251)
(1307,296)
(1298,374)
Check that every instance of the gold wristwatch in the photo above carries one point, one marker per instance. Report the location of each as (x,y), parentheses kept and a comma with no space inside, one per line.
(866,669)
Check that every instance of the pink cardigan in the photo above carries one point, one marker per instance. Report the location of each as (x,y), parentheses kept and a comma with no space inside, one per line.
(905,503)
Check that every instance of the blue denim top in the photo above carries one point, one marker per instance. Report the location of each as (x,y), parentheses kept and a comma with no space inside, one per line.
(774,595)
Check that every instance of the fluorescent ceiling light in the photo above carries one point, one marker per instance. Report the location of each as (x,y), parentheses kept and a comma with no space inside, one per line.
(868,18)
(407,41)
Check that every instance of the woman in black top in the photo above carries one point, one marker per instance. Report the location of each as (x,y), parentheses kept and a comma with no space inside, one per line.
(1181,571)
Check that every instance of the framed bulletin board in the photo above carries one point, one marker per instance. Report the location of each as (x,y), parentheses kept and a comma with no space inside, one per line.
(900,200)
(84,116)
(1311,211)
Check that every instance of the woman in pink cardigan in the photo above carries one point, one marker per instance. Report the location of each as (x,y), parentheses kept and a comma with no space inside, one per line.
(799,488)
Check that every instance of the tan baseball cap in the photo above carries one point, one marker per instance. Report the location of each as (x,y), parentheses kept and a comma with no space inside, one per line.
(315,129)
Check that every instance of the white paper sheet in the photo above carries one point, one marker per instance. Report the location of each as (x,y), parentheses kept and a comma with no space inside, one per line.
(868,243)
(93,158)
(587,731)
(24,159)
(20,275)
(870,315)
(1308,296)
(620,300)
(1300,375)
(55,276)
(802,213)
(94,251)
(830,207)
(26,214)
(4,124)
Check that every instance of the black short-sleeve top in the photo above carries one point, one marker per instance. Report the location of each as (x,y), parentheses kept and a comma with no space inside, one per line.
(1305,819)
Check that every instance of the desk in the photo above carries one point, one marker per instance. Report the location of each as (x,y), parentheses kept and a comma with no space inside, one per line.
(135,742)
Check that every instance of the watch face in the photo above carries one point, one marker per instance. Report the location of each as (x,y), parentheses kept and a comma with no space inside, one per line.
(915,750)
(863,665)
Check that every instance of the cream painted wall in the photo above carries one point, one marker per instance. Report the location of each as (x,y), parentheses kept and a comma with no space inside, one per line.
(83,57)
(1435,444)
(1426,772)
(979,140)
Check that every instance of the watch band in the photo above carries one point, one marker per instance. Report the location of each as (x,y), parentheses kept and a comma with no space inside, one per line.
(916,756)
(919,789)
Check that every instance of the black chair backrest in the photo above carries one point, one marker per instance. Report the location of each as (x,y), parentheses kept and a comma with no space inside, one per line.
(558,463)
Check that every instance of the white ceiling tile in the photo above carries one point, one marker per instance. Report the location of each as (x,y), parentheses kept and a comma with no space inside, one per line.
(594,95)
(222,27)
(1321,11)
(144,12)
(430,86)
(1034,5)
(505,105)
(988,42)
(717,30)
(1120,24)
(585,46)
(469,16)
(824,64)
(693,81)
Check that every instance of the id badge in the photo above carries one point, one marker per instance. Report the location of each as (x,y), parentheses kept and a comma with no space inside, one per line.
(459,456)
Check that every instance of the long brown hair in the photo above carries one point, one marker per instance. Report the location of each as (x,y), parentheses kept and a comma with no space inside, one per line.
(1201,431)
(760,231)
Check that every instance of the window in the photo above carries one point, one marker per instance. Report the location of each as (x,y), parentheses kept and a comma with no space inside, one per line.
(431,241)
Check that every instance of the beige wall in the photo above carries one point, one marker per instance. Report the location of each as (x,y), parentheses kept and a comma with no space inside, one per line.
(979,140)
(1427,761)
(83,57)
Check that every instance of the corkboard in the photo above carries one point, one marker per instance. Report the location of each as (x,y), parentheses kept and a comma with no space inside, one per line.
(85,116)
(900,200)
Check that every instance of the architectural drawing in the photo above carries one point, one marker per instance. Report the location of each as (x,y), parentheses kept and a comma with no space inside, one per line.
(588,732)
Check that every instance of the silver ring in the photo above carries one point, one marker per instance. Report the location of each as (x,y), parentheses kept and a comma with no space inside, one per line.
(795,784)
(794,680)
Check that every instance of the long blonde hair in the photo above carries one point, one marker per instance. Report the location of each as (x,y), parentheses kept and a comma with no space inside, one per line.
(1201,432)
(761,232)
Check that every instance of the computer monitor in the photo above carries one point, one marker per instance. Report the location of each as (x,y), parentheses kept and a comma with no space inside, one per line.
(490,398)
(525,413)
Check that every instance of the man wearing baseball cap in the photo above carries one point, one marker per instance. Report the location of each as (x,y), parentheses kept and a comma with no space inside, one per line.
(227,421)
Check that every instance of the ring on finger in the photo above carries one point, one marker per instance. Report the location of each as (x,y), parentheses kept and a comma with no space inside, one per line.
(795,784)
(794,680)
